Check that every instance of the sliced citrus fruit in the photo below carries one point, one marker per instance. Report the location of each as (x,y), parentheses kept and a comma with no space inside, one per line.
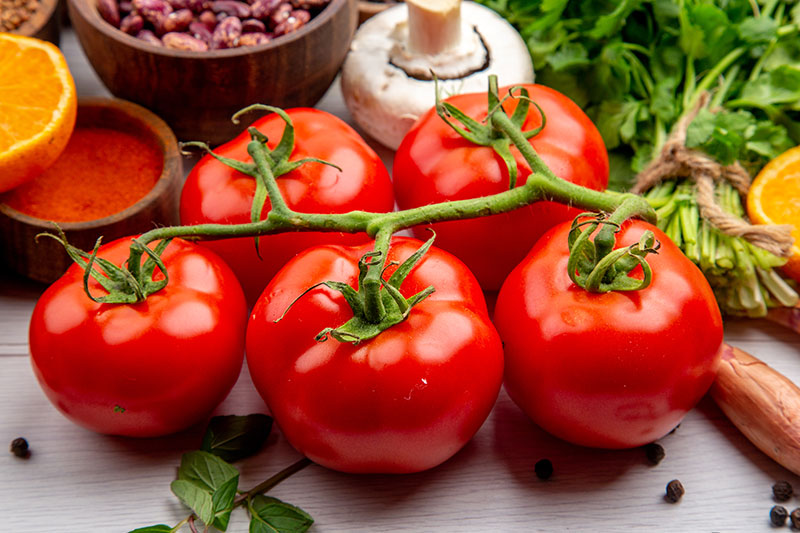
(37,107)
(774,198)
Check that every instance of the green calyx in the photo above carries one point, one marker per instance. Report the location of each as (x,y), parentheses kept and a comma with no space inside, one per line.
(124,285)
(489,134)
(377,303)
(267,164)
(376,306)
(595,266)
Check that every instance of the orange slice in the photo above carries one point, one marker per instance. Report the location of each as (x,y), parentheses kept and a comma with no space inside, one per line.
(37,107)
(774,198)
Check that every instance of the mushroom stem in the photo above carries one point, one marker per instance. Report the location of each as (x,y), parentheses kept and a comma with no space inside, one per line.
(434,26)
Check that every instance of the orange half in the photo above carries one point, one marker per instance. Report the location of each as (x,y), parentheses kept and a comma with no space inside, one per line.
(37,107)
(774,198)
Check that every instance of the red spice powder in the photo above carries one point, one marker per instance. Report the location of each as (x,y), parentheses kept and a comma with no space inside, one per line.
(101,172)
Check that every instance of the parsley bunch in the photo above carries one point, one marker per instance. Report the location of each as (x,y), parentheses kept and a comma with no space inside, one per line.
(638,66)
(635,66)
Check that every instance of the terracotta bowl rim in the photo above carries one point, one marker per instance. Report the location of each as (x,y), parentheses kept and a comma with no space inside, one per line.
(92,16)
(164,138)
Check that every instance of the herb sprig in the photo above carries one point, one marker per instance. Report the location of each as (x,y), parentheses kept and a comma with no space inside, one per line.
(636,66)
(209,485)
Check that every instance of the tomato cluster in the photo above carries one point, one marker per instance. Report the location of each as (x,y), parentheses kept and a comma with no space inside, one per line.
(609,370)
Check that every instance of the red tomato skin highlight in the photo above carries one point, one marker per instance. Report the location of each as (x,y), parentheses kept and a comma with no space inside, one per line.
(612,370)
(435,164)
(146,369)
(216,193)
(404,401)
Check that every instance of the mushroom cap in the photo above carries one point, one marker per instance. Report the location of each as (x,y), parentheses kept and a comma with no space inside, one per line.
(385,102)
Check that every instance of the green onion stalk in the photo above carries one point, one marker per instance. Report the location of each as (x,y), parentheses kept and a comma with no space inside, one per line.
(742,275)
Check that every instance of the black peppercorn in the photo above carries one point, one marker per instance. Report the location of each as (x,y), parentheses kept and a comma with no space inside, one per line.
(654,452)
(795,518)
(19,447)
(543,469)
(674,491)
(782,491)
(777,515)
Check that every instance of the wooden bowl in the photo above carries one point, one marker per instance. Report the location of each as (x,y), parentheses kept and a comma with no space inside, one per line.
(46,259)
(198,92)
(44,22)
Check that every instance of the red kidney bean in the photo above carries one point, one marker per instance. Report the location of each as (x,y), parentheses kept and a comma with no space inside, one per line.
(154,11)
(280,14)
(132,24)
(227,33)
(109,10)
(296,20)
(183,41)
(253,39)
(232,8)
(262,9)
(177,21)
(149,37)
(253,26)
(200,31)
(209,19)
(208,24)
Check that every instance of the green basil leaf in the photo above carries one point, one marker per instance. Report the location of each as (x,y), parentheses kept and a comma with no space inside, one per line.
(236,437)
(206,470)
(195,498)
(221,520)
(223,497)
(271,515)
(160,528)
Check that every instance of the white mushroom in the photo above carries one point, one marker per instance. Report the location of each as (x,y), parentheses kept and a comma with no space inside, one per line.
(387,77)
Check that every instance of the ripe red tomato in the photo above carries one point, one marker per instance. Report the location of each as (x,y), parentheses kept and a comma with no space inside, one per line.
(435,164)
(403,401)
(215,193)
(144,369)
(610,370)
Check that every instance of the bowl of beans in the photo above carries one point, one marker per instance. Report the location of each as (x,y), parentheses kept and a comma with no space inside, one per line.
(119,175)
(196,62)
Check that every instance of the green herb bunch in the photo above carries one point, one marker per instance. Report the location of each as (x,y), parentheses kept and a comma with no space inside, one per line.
(637,66)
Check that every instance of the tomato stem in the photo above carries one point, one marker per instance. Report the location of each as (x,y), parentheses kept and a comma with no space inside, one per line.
(499,129)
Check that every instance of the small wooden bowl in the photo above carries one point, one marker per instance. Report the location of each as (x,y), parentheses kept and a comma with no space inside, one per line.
(46,259)
(198,92)
(44,23)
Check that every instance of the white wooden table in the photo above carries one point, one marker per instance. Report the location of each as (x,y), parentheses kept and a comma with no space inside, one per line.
(78,482)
